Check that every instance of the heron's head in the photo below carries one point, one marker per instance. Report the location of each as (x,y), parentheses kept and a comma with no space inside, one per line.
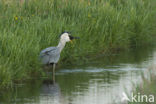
(66,36)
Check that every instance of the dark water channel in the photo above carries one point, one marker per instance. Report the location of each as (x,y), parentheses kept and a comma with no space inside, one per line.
(99,81)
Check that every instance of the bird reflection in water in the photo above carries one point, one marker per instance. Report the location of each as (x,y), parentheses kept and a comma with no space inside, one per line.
(50,93)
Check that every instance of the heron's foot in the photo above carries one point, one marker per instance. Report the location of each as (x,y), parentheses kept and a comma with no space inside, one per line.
(48,82)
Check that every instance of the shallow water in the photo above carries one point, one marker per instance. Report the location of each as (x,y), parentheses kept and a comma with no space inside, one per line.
(99,81)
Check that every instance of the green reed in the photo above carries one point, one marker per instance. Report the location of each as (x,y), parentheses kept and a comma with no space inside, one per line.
(102,25)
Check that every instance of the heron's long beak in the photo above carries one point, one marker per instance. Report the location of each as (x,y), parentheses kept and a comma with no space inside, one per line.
(71,37)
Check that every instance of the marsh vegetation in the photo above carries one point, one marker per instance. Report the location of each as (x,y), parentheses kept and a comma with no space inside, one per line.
(103,26)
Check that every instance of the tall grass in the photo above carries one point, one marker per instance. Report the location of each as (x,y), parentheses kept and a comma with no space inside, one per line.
(28,27)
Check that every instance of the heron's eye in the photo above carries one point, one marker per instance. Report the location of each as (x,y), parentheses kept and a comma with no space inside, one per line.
(71,37)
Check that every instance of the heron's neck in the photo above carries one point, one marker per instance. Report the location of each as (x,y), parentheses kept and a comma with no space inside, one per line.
(61,45)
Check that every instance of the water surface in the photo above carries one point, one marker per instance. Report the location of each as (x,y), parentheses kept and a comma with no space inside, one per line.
(99,81)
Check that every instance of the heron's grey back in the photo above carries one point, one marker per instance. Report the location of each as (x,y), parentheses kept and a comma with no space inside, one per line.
(50,55)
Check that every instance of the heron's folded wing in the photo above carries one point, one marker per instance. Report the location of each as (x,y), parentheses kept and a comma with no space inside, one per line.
(48,51)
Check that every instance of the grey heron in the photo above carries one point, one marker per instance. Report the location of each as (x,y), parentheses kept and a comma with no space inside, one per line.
(51,55)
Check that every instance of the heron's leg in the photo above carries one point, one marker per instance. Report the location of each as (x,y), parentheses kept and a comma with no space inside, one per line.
(54,73)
